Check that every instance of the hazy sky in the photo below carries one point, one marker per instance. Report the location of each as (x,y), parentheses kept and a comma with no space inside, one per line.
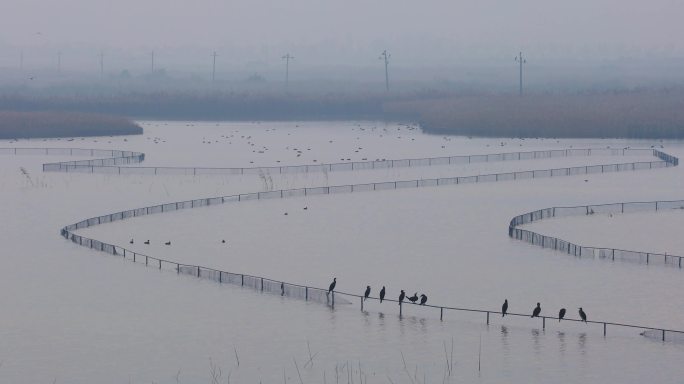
(351,28)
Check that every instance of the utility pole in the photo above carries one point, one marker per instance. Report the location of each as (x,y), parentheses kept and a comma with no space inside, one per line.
(521,60)
(213,68)
(101,64)
(287,59)
(385,55)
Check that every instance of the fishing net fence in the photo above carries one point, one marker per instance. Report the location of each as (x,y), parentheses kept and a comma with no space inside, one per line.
(595,252)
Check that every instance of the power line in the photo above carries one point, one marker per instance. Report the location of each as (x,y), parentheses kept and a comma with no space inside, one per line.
(521,60)
(386,56)
(213,68)
(287,59)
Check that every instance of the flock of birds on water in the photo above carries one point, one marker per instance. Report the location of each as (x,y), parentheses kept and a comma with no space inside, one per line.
(423,299)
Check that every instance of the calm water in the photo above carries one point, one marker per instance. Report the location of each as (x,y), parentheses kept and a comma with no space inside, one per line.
(79,316)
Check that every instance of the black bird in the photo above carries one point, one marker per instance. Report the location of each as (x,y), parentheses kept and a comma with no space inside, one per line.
(223,241)
(367,293)
(131,241)
(401,296)
(504,308)
(147,242)
(167,243)
(536,311)
(561,314)
(583,315)
(414,298)
(332,285)
(423,299)
(382,293)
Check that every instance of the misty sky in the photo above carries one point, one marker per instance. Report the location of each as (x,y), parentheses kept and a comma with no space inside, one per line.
(428,30)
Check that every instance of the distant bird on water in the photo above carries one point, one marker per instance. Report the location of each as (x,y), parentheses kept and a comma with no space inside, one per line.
(167,243)
(536,311)
(402,295)
(423,299)
(561,314)
(332,285)
(414,298)
(582,314)
(367,293)
(504,308)
(147,242)
(131,241)
(382,294)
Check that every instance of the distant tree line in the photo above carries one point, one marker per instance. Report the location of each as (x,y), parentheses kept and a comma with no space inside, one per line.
(635,114)
(14,125)
(626,114)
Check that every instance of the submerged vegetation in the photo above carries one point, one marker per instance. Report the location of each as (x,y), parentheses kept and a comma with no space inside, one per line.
(14,125)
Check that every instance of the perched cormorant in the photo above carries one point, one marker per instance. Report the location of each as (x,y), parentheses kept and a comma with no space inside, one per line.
(382,293)
(332,285)
(414,298)
(423,299)
(504,308)
(367,293)
(582,314)
(147,242)
(561,314)
(536,311)
(401,296)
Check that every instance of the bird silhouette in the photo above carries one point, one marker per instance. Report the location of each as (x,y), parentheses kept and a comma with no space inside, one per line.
(147,242)
(504,308)
(223,241)
(414,298)
(402,295)
(423,299)
(582,315)
(561,314)
(367,293)
(131,241)
(167,243)
(332,285)
(382,293)
(536,311)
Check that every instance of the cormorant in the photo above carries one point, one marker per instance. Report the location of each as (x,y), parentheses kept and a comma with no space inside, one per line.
(582,314)
(561,314)
(401,296)
(414,298)
(147,242)
(536,311)
(167,243)
(423,299)
(504,308)
(332,285)
(382,293)
(367,293)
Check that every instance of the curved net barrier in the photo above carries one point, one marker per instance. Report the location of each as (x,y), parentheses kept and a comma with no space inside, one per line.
(595,252)
(320,295)
(120,161)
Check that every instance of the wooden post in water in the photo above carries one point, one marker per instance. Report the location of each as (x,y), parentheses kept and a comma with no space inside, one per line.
(441,314)
(604,329)
(543,322)
(487,317)
(400,307)
(362,304)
